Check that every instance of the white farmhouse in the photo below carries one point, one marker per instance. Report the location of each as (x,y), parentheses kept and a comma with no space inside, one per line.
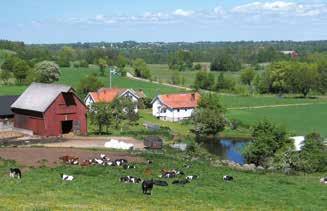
(108,95)
(175,107)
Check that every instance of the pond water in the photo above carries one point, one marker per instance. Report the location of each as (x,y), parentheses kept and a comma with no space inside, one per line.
(226,149)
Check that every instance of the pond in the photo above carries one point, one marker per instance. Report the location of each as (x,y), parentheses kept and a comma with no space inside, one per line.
(226,149)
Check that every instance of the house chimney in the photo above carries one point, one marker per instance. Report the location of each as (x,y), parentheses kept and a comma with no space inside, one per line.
(193,96)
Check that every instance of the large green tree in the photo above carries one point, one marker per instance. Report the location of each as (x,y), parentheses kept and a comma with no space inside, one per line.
(21,70)
(47,71)
(140,68)
(225,62)
(209,118)
(88,84)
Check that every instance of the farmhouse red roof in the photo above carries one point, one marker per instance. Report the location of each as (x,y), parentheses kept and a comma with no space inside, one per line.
(106,95)
(189,100)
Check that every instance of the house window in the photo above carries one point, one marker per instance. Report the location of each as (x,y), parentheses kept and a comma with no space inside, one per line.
(178,110)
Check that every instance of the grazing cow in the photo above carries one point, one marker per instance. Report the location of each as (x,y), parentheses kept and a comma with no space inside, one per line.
(177,172)
(69,160)
(119,162)
(147,186)
(66,177)
(98,161)
(86,163)
(104,157)
(228,178)
(160,183)
(125,166)
(180,182)
(111,163)
(15,172)
(149,161)
(191,177)
(130,179)
(168,175)
(323,180)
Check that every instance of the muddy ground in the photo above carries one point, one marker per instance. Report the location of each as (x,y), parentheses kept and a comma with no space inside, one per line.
(36,157)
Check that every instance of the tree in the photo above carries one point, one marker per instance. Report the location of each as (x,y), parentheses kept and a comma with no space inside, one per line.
(101,115)
(225,62)
(313,154)
(180,60)
(224,83)
(277,73)
(5,76)
(176,78)
(204,80)
(66,55)
(141,69)
(47,71)
(21,70)
(103,65)
(129,109)
(209,116)
(268,139)
(197,67)
(247,76)
(322,79)
(303,77)
(9,63)
(89,84)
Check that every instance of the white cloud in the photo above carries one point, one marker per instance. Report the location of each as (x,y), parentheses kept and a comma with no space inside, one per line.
(183,13)
(267,6)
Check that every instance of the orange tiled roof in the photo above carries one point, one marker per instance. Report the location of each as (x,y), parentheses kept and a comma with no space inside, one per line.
(106,95)
(189,100)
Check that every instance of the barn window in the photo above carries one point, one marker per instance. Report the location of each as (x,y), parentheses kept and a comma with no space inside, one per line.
(69,99)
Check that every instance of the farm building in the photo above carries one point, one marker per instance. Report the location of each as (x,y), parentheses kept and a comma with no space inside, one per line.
(6,115)
(108,95)
(152,142)
(175,107)
(50,110)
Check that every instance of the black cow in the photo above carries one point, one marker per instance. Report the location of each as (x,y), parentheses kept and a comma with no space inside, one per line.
(15,172)
(228,178)
(160,183)
(147,186)
(180,182)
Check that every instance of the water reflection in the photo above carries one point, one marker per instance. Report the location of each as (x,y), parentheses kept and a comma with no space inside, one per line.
(226,149)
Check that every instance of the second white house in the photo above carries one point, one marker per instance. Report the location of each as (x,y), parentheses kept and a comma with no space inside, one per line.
(175,107)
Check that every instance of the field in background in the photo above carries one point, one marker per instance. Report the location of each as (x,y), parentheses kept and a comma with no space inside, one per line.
(161,72)
(72,76)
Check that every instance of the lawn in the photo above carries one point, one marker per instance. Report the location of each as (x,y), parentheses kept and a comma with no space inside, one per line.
(72,76)
(298,119)
(97,188)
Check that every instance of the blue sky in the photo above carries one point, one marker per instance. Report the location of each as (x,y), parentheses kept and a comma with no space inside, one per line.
(62,21)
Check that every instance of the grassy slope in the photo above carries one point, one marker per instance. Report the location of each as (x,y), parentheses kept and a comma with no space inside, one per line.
(99,188)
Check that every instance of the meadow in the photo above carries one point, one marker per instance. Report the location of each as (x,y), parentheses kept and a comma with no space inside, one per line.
(99,188)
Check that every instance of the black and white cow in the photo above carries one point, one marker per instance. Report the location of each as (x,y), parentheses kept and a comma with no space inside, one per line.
(126,166)
(323,180)
(228,178)
(191,177)
(147,186)
(66,177)
(119,162)
(15,173)
(168,175)
(130,179)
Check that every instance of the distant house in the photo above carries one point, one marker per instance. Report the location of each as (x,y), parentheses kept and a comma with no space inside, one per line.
(293,54)
(6,115)
(50,110)
(108,95)
(175,107)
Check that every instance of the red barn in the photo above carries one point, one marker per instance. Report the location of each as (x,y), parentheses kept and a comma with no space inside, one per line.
(50,110)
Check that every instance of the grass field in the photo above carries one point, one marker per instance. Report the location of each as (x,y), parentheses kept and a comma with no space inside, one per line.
(298,119)
(97,188)
(162,73)
(72,76)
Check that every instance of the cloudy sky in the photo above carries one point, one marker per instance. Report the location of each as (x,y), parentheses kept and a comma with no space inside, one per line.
(62,21)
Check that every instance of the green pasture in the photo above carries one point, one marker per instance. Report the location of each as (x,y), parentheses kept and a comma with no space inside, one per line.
(99,188)
(300,120)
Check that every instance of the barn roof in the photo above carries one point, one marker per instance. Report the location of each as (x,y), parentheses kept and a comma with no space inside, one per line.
(189,100)
(5,104)
(39,96)
(108,95)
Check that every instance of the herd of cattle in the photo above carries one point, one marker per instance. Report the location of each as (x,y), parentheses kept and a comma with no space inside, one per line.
(147,185)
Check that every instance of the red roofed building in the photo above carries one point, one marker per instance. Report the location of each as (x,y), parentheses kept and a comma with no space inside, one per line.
(108,95)
(175,107)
